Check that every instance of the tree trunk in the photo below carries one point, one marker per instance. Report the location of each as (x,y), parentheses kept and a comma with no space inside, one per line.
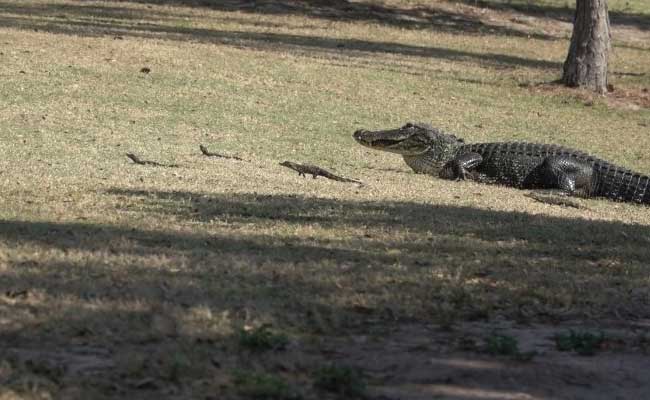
(586,63)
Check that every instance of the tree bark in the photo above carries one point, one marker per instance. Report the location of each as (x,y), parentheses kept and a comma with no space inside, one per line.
(586,63)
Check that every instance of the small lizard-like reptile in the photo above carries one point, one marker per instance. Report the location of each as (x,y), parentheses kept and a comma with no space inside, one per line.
(137,160)
(208,153)
(315,171)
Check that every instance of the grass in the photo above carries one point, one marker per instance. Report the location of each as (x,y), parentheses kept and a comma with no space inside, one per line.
(506,345)
(583,343)
(345,381)
(261,339)
(165,264)
(496,344)
(263,386)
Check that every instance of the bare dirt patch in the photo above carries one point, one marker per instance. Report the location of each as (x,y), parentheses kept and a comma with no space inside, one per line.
(417,363)
(627,98)
(406,361)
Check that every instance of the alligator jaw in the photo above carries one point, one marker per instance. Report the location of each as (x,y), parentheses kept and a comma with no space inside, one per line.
(358,135)
(363,137)
(407,140)
(374,139)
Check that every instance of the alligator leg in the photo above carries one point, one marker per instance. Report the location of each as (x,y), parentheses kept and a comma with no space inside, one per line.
(459,167)
(567,174)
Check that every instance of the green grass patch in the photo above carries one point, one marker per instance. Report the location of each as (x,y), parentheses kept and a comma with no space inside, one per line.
(262,386)
(583,343)
(262,338)
(346,382)
(506,345)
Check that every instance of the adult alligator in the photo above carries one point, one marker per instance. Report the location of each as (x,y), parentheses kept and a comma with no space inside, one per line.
(428,150)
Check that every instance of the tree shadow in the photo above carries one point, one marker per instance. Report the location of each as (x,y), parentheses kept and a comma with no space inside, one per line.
(434,233)
(419,18)
(459,221)
(40,18)
(107,284)
(561,13)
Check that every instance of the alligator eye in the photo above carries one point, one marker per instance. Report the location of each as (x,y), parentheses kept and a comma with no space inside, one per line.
(408,125)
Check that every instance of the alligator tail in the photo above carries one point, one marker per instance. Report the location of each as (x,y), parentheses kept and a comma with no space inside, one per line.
(621,184)
(645,193)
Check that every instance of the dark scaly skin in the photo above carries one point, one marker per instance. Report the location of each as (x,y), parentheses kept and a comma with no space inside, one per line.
(314,171)
(521,165)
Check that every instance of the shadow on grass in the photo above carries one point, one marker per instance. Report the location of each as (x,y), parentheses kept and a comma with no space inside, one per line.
(310,265)
(561,13)
(420,17)
(115,22)
(388,237)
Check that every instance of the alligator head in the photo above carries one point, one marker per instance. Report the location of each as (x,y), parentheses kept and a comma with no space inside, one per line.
(409,140)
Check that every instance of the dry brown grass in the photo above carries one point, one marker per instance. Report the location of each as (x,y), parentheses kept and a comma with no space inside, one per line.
(120,280)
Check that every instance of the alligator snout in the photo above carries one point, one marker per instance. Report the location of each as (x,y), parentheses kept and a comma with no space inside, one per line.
(359,136)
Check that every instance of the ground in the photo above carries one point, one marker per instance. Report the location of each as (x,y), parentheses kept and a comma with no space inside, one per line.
(223,278)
